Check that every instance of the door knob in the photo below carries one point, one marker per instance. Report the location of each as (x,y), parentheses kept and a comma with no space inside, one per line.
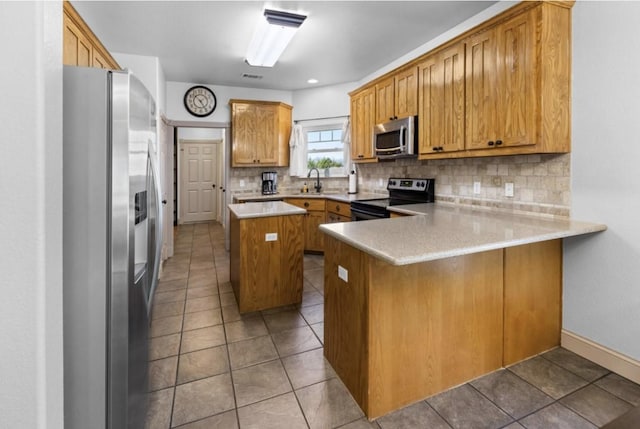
(164,201)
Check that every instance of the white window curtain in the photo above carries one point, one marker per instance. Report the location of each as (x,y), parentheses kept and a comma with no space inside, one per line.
(298,152)
(346,141)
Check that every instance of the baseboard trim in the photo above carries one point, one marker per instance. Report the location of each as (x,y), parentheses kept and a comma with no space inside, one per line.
(616,362)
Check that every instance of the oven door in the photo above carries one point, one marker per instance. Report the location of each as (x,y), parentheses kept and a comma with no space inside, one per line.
(360,213)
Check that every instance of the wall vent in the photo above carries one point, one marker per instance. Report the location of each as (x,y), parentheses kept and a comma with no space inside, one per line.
(251,76)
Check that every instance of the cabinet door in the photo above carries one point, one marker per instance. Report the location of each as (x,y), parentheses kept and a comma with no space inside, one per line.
(77,47)
(362,121)
(516,81)
(266,137)
(98,60)
(481,90)
(243,131)
(406,93)
(441,102)
(313,238)
(385,100)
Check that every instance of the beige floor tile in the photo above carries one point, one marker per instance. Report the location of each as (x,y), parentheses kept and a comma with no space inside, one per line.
(328,404)
(202,319)
(283,320)
(170,296)
(275,413)
(419,415)
(252,351)
(202,398)
(464,407)
(260,382)
(311,298)
(165,346)
(201,304)
(201,292)
(171,285)
(202,338)
(202,364)
(295,341)
(244,329)
(165,326)
(313,313)
(308,368)
(159,409)
(318,329)
(226,420)
(167,309)
(162,373)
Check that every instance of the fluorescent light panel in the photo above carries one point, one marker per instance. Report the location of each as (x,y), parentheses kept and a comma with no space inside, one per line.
(272,36)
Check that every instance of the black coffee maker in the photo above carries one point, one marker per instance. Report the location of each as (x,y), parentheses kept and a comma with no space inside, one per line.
(269,182)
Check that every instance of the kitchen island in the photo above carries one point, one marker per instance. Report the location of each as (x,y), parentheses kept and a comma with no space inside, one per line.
(419,304)
(266,254)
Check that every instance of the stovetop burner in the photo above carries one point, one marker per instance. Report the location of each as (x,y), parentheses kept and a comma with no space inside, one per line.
(401,191)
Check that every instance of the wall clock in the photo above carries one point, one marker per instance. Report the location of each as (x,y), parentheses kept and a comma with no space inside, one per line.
(200,101)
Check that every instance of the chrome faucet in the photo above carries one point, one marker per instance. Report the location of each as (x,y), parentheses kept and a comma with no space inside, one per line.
(317,186)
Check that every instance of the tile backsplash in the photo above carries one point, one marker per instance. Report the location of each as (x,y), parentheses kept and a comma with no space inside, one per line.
(542,183)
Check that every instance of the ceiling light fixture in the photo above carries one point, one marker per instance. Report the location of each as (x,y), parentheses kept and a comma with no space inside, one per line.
(312,80)
(272,36)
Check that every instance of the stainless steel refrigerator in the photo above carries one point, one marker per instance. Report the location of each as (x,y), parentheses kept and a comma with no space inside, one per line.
(111,248)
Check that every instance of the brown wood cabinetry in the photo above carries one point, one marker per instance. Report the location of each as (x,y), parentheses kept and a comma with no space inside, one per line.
(80,46)
(501,88)
(313,238)
(266,274)
(363,111)
(397,96)
(338,211)
(260,133)
(441,102)
(398,334)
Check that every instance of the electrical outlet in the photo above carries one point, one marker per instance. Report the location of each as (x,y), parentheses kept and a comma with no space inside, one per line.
(242,183)
(380,183)
(508,189)
(476,188)
(343,273)
(271,236)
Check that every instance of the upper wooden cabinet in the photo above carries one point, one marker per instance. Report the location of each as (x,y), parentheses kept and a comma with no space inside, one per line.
(80,46)
(501,88)
(260,133)
(363,111)
(441,102)
(397,96)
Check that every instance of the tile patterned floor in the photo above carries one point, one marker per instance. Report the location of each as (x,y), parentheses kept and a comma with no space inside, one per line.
(213,368)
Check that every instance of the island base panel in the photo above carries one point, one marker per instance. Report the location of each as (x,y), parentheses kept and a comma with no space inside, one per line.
(533,299)
(266,274)
(398,334)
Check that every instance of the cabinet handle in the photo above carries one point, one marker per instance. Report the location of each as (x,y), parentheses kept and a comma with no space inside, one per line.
(491,143)
(435,148)
(306,204)
(498,142)
(337,208)
(360,156)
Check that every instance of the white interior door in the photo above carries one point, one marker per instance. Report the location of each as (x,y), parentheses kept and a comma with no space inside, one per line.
(198,173)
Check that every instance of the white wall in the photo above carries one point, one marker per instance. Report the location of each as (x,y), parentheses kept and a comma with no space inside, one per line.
(602,273)
(149,71)
(31,385)
(200,133)
(322,102)
(222,114)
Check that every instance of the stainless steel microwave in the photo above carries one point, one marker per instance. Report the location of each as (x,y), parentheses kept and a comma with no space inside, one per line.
(396,139)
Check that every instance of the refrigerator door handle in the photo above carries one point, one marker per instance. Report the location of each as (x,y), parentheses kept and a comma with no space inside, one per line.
(159,223)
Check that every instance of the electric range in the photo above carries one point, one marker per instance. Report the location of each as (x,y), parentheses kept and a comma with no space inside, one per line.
(401,191)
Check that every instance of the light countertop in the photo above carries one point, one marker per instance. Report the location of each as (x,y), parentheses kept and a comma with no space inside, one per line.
(444,230)
(264,209)
(341,196)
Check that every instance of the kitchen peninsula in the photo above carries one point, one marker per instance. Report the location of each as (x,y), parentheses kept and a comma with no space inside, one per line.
(266,254)
(418,304)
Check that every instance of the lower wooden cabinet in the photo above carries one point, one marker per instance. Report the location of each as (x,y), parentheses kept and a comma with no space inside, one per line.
(313,238)
(266,274)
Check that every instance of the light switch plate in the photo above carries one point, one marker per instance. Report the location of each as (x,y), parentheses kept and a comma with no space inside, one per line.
(476,188)
(343,273)
(271,236)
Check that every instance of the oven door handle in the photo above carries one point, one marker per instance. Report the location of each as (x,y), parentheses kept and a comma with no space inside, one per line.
(366,213)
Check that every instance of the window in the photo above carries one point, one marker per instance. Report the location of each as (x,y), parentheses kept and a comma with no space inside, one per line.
(325,150)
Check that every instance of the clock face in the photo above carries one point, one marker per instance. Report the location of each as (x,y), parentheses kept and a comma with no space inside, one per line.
(200,101)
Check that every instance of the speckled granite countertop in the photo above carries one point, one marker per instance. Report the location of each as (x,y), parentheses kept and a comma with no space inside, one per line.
(342,197)
(446,230)
(264,209)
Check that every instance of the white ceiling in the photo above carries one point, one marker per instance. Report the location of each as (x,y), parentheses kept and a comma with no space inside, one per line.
(205,41)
